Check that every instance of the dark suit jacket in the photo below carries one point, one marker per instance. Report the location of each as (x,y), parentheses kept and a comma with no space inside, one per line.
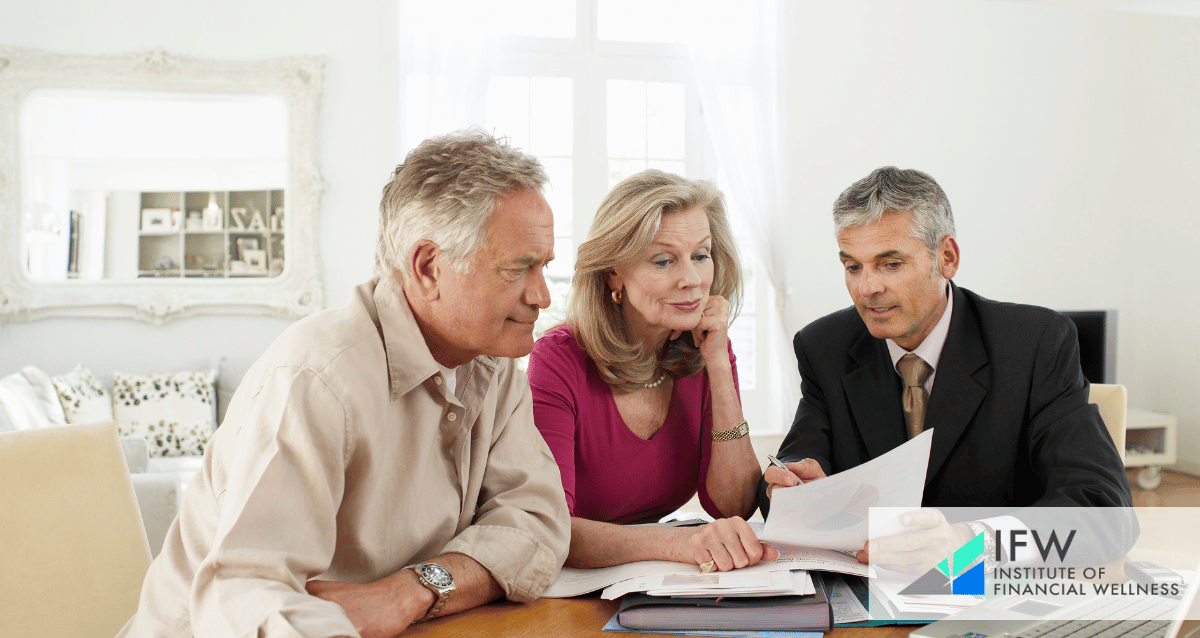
(1009,405)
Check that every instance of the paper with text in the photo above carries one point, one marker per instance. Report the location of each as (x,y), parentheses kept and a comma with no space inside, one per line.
(831,513)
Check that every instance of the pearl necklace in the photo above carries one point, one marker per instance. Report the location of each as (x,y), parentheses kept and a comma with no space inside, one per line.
(662,377)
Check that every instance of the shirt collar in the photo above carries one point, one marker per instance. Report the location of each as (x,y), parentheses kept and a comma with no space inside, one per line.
(409,361)
(931,348)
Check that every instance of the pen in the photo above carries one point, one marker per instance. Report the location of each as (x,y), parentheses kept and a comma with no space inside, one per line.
(777,463)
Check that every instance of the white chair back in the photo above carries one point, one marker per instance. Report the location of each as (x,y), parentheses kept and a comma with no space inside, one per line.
(73,551)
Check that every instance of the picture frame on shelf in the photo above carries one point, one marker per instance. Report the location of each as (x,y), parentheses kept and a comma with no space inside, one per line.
(256,260)
(156,220)
(247,243)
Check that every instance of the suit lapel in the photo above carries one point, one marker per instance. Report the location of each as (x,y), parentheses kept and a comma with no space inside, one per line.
(873,393)
(956,394)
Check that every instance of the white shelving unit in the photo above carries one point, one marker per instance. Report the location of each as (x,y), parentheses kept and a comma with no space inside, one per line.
(183,251)
(1149,444)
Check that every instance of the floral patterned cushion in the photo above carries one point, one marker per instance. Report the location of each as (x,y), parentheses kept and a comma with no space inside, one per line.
(173,412)
(83,398)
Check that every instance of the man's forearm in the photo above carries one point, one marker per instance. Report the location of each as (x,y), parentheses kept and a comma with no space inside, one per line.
(389,605)
(473,584)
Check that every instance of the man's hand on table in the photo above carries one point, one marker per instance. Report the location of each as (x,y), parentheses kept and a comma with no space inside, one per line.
(380,609)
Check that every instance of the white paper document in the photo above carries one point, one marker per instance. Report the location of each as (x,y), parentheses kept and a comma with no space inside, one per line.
(812,558)
(831,513)
(576,582)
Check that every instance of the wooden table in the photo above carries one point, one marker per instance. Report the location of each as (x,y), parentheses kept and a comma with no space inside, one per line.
(572,617)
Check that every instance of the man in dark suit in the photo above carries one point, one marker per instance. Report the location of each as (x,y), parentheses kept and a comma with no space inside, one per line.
(1000,382)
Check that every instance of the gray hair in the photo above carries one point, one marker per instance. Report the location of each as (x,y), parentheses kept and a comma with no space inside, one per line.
(890,189)
(445,191)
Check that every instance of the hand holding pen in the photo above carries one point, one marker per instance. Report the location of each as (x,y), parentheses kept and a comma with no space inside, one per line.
(782,474)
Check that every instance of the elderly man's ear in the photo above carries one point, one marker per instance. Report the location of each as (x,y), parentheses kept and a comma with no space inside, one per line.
(426,270)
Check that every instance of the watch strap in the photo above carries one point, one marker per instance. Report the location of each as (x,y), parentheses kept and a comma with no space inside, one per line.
(442,593)
(742,429)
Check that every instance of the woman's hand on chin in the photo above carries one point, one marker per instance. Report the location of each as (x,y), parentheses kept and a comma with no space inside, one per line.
(728,543)
(711,335)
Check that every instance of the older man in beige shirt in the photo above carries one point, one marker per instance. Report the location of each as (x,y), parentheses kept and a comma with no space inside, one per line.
(379,465)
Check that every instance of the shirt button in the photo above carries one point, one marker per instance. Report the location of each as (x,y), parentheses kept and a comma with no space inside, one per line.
(452,416)
(438,379)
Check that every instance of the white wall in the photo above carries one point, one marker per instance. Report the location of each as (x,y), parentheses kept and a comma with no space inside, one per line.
(357,152)
(1066,138)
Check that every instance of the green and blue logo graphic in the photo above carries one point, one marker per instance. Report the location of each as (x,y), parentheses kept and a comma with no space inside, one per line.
(955,574)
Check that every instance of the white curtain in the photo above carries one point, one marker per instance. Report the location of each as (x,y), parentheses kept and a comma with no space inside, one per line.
(443,59)
(735,53)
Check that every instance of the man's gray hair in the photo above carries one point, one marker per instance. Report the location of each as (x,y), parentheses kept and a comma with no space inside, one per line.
(445,191)
(890,189)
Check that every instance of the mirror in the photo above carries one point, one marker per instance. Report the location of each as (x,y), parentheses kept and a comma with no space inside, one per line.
(157,187)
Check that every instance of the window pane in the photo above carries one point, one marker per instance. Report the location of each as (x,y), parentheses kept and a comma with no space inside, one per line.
(560,194)
(665,130)
(550,116)
(639,20)
(626,118)
(742,336)
(532,18)
(679,168)
(619,169)
(508,109)
(557,312)
(483,18)
(563,265)
(749,287)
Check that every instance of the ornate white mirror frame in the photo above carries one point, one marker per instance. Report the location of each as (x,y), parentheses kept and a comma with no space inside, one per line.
(295,292)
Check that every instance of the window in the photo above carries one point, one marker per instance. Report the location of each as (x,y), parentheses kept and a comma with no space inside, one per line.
(596,103)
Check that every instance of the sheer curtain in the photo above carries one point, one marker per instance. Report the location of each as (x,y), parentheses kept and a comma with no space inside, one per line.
(443,59)
(735,53)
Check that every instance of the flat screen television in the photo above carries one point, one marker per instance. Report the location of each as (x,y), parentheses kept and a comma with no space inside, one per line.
(1097,343)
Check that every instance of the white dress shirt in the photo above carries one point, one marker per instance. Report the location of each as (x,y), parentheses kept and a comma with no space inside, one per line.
(930,349)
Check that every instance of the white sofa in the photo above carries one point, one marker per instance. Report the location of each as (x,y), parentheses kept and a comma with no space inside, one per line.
(29,398)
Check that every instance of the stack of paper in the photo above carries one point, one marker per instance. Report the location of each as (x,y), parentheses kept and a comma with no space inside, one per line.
(815,526)
(742,582)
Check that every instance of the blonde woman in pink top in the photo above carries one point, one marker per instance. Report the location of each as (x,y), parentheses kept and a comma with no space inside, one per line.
(637,393)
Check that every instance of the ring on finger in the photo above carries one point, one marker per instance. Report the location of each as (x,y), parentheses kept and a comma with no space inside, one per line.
(707,567)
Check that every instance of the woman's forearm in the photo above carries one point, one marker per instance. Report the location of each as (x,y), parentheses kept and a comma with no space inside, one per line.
(733,472)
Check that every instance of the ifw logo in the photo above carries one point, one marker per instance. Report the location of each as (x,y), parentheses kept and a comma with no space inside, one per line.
(955,574)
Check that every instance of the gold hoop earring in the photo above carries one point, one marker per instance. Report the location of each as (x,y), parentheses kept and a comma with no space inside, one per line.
(616,297)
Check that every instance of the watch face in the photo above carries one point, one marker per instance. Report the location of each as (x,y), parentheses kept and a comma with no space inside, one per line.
(437,575)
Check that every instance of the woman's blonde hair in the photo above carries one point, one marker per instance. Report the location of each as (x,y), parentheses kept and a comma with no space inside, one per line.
(626,223)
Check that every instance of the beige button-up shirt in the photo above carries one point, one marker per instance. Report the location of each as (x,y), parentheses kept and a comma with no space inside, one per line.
(344,457)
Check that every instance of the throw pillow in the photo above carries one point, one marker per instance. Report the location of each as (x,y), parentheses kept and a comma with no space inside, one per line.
(84,399)
(173,412)
(20,402)
(46,393)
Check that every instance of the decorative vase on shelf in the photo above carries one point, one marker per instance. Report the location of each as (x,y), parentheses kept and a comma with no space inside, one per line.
(214,219)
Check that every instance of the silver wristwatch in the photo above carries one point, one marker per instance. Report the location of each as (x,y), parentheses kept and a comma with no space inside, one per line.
(437,579)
